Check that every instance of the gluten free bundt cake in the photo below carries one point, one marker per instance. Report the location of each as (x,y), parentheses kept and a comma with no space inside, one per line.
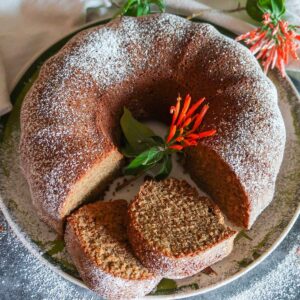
(97,241)
(70,129)
(175,232)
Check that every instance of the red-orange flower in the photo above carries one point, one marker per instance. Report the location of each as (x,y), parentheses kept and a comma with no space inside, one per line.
(274,42)
(186,123)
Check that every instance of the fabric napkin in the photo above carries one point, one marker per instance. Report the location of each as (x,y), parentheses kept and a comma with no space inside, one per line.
(29,26)
(5,105)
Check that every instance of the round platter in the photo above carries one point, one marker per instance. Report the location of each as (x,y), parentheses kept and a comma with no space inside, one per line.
(250,248)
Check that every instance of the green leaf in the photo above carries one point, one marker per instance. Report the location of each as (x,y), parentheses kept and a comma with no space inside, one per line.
(166,284)
(275,7)
(264,5)
(242,234)
(134,131)
(140,10)
(256,8)
(146,158)
(278,8)
(138,170)
(166,167)
(58,246)
(141,7)
(245,262)
(127,6)
(253,10)
(153,141)
(169,286)
(127,151)
(256,254)
(145,144)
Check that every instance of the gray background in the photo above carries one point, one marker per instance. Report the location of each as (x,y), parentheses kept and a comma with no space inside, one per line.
(23,276)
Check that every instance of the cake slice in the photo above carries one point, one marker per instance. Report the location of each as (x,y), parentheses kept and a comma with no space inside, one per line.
(175,232)
(96,240)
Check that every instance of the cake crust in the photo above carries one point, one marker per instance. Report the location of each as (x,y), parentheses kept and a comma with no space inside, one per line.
(112,283)
(175,232)
(70,117)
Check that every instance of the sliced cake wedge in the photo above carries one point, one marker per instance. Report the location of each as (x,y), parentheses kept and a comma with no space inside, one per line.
(175,232)
(96,240)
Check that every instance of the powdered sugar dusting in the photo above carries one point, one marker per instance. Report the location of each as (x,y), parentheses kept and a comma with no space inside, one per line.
(255,143)
(107,283)
(61,140)
(244,110)
(16,198)
(102,56)
(110,53)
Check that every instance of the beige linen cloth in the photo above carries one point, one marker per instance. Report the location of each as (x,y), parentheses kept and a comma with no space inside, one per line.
(29,26)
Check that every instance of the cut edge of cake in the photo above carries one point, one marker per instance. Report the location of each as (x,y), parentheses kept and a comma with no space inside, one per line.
(158,259)
(99,278)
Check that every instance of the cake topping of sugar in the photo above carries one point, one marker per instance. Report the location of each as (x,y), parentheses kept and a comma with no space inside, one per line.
(64,114)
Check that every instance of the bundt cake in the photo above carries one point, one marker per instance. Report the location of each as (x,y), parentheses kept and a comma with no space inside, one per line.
(70,130)
(175,232)
(97,241)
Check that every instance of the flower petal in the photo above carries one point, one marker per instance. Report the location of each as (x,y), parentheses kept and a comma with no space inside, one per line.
(176,147)
(207,133)
(186,105)
(194,107)
(172,133)
(200,117)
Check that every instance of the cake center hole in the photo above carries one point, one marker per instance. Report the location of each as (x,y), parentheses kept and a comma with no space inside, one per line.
(126,187)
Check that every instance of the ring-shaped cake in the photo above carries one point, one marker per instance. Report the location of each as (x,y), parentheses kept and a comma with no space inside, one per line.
(70,130)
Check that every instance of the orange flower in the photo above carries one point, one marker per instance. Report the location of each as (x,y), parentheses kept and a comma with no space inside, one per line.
(176,147)
(186,105)
(273,43)
(194,107)
(207,133)
(172,133)
(175,110)
(185,124)
(200,117)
